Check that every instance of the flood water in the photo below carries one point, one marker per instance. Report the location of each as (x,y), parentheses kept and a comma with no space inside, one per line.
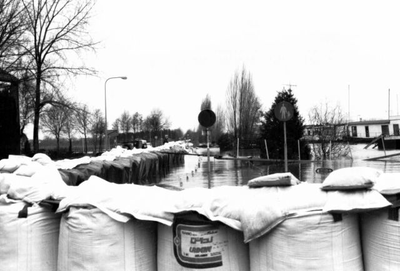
(194,172)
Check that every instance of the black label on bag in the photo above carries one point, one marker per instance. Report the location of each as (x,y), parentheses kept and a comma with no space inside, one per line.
(198,246)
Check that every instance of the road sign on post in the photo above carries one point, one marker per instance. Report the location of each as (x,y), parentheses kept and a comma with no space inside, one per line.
(207,119)
(284,112)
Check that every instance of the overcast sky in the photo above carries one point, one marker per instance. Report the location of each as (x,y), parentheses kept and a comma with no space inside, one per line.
(174,53)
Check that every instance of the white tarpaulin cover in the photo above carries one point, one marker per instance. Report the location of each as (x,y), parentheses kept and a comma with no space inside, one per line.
(253,211)
(116,200)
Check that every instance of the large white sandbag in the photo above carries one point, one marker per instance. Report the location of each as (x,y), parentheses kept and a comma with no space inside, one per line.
(91,240)
(381,239)
(45,182)
(198,244)
(28,242)
(309,241)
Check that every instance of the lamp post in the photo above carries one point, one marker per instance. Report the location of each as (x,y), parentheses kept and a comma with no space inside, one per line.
(105,106)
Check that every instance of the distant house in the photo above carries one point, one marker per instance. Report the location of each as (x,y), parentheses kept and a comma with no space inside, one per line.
(374,128)
(359,130)
(112,137)
(325,132)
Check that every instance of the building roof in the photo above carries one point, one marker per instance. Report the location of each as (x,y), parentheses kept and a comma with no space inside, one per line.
(370,122)
(112,132)
(6,77)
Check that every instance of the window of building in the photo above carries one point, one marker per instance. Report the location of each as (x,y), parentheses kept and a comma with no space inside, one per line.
(354,131)
(385,129)
(396,131)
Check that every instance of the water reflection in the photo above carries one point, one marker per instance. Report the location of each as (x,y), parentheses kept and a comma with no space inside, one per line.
(194,173)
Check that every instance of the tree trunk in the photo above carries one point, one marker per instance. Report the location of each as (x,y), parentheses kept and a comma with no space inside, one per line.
(58,145)
(36,114)
(86,145)
(70,146)
(94,144)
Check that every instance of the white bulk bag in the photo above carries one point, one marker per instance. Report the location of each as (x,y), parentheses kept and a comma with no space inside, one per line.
(309,241)
(381,240)
(28,243)
(91,240)
(222,245)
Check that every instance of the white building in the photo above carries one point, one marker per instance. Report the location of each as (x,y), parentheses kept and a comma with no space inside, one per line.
(374,128)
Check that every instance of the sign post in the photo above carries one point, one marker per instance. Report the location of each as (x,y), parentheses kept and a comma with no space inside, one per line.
(284,112)
(207,119)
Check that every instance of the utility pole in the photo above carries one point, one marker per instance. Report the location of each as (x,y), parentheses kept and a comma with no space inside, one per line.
(389,104)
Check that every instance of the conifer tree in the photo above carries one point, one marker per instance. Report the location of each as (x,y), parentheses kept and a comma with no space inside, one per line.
(272,131)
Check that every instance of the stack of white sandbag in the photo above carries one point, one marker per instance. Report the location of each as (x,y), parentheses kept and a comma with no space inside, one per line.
(176,146)
(31,179)
(29,232)
(381,228)
(381,240)
(92,240)
(29,236)
(309,241)
(325,234)
(109,226)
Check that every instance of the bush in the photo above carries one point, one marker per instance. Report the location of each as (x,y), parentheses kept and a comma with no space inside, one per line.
(225,142)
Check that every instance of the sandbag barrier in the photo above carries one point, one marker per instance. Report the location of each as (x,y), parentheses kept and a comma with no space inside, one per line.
(141,168)
(85,238)
(299,226)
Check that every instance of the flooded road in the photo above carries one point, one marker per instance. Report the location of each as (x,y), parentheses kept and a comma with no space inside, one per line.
(194,172)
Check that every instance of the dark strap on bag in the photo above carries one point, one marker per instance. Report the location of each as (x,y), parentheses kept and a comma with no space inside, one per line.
(393,211)
(24,212)
(50,204)
(337,217)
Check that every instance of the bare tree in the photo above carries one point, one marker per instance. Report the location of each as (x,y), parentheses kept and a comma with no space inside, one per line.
(137,122)
(156,121)
(54,29)
(53,122)
(232,103)
(12,29)
(206,103)
(83,119)
(97,129)
(70,126)
(328,131)
(116,125)
(219,126)
(243,106)
(125,122)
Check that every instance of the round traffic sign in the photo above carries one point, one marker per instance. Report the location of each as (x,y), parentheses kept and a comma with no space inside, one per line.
(207,118)
(283,111)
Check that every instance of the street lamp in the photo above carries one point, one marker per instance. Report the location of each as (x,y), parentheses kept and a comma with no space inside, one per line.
(105,106)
